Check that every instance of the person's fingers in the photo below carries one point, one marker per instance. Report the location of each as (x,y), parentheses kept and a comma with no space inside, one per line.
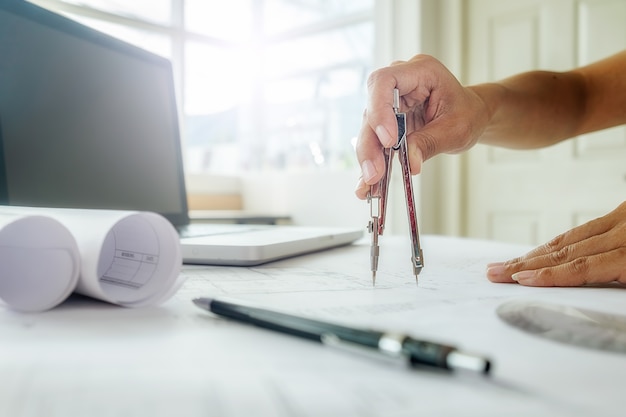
(415,158)
(360,189)
(380,116)
(434,125)
(397,62)
(580,233)
(497,272)
(414,79)
(370,157)
(602,268)
(592,253)
(563,248)
(544,258)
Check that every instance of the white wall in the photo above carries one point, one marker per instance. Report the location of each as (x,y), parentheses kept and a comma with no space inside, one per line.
(404,28)
(311,199)
(327,198)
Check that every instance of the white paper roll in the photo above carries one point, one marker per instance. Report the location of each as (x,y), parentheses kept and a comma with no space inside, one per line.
(128,258)
(39,262)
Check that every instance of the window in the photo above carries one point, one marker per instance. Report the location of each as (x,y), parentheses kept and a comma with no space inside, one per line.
(263,85)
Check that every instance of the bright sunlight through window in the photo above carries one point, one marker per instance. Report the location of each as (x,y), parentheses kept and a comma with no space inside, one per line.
(263,84)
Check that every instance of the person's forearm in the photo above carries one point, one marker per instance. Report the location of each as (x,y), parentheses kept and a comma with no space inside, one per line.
(605,102)
(533,109)
(539,108)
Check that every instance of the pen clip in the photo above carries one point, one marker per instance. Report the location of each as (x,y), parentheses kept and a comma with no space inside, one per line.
(334,341)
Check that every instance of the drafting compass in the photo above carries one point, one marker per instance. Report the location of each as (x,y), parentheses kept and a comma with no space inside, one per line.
(377,196)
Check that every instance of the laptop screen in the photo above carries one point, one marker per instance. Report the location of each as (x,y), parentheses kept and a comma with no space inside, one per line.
(86,121)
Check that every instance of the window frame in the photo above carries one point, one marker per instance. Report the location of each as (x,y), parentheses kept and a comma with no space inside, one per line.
(397,36)
(179,36)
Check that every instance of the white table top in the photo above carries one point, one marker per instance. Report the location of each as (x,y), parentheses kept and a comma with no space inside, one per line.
(88,358)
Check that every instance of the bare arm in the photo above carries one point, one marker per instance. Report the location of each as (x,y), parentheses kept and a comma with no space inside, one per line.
(530,110)
(539,108)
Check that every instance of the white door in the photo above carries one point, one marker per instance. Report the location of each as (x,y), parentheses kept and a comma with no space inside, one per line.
(531,196)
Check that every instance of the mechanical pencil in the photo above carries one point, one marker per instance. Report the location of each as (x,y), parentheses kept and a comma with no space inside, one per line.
(415,352)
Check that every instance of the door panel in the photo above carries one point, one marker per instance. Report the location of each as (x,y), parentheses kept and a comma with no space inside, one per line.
(531,196)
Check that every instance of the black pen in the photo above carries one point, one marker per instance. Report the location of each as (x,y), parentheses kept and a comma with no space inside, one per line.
(416,352)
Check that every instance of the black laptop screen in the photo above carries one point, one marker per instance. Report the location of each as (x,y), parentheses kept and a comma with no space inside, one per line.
(85,120)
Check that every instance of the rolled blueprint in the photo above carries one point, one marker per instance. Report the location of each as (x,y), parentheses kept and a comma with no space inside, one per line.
(39,261)
(129,258)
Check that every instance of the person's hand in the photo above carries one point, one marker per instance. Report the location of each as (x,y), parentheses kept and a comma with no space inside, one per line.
(593,253)
(442,116)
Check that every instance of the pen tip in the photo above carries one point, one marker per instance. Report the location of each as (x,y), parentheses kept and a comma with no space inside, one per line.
(373,278)
(202,302)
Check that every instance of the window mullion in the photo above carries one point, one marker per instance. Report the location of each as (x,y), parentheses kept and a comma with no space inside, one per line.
(178,39)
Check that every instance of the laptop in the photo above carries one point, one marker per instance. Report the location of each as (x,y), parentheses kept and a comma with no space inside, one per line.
(88,121)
